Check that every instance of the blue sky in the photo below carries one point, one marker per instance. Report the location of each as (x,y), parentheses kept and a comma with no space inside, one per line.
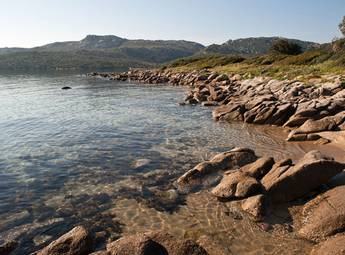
(28,23)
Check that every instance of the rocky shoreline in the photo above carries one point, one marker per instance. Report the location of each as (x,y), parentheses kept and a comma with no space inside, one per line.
(306,109)
(260,185)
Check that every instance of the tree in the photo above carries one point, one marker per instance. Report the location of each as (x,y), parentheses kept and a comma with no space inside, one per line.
(283,46)
(342,26)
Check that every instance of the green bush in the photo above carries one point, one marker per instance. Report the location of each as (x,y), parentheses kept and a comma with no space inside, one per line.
(286,47)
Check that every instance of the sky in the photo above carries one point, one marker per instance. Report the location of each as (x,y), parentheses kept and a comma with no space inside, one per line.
(28,23)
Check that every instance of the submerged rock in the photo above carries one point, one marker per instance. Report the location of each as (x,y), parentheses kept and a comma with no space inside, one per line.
(78,241)
(157,243)
(140,163)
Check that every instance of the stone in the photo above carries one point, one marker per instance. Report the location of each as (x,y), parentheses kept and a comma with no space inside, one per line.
(155,243)
(180,246)
(221,77)
(325,124)
(286,183)
(139,244)
(324,216)
(224,161)
(255,205)
(66,88)
(140,163)
(78,241)
(237,184)
(260,167)
(332,246)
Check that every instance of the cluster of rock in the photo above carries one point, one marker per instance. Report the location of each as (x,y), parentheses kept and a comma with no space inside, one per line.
(262,183)
(261,100)
(79,241)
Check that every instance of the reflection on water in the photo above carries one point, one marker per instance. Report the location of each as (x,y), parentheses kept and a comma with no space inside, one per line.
(67,158)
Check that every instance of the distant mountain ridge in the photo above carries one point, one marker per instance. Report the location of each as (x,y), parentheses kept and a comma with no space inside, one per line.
(110,51)
(253,46)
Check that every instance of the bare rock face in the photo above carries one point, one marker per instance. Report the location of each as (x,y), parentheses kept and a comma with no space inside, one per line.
(78,241)
(224,161)
(157,243)
(325,215)
(255,205)
(285,183)
(333,246)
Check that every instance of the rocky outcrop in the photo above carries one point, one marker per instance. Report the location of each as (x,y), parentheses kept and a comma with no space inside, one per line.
(324,216)
(78,241)
(158,243)
(286,182)
(237,185)
(243,182)
(260,100)
(224,161)
(333,246)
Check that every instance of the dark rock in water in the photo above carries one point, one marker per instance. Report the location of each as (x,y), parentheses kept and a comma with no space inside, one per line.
(7,247)
(78,241)
(157,243)
(324,215)
(286,183)
(66,88)
(140,163)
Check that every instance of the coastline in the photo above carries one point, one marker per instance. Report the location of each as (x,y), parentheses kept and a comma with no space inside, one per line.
(282,218)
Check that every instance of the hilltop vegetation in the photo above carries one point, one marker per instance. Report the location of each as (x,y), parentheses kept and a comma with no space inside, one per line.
(96,52)
(326,59)
(253,46)
(107,52)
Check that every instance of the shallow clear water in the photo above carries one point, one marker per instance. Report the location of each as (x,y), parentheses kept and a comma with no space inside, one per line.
(67,158)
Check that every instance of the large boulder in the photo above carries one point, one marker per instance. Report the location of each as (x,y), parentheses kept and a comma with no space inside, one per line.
(285,183)
(244,181)
(325,124)
(237,185)
(333,246)
(324,216)
(78,241)
(156,243)
(224,161)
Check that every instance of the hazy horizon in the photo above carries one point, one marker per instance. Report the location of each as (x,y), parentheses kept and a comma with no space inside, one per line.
(31,24)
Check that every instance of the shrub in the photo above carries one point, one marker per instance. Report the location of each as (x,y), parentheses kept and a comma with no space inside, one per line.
(282,46)
(342,26)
